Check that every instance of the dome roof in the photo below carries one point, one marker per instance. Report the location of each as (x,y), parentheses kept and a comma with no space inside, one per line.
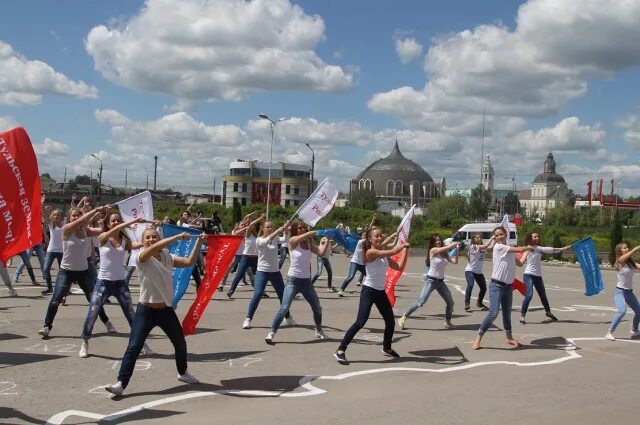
(394,167)
(548,177)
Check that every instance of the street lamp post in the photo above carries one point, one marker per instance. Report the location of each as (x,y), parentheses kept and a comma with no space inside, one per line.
(313,161)
(273,128)
(100,176)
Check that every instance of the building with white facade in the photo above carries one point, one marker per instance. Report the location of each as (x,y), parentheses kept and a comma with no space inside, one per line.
(247,183)
(548,190)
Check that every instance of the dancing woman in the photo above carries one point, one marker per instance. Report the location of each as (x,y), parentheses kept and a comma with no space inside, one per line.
(624,296)
(155,266)
(500,292)
(54,250)
(249,259)
(377,260)
(301,247)
(473,271)
(437,259)
(533,274)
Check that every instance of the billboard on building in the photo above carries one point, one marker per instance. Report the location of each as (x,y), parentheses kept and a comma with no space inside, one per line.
(259,193)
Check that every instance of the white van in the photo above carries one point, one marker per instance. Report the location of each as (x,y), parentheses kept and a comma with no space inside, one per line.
(485,229)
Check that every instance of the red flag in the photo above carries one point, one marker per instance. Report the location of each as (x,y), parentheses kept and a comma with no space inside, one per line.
(220,253)
(600,191)
(392,278)
(519,286)
(611,199)
(20,201)
(589,191)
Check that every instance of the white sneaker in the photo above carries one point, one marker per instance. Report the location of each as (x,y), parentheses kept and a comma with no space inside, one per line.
(116,389)
(448,325)
(320,334)
(290,321)
(246,324)
(110,328)
(188,378)
(84,350)
(146,351)
(44,331)
(269,338)
(402,321)
(610,336)
(13,292)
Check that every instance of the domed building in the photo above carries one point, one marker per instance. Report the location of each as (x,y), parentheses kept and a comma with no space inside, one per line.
(548,190)
(398,182)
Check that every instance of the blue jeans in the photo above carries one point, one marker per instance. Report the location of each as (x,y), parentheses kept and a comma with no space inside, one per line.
(246,262)
(530,282)
(234,264)
(327,264)
(4,275)
(430,285)
(284,251)
(130,270)
(39,250)
(26,262)
(304,286)
(259,286)
(48,263)
(63,283)
(102,290)
(500,294)
(470,277)
(353,268)
(145,320)
(369,297)
(624,298)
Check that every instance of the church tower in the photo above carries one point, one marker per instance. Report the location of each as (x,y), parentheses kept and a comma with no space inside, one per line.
(487,175)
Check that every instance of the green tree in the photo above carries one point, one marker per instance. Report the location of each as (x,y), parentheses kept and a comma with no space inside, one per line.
(511,203)
(83,179)
(446,210)
(237,211)
(479,203)
(557,243)
(364,198)
(615,236)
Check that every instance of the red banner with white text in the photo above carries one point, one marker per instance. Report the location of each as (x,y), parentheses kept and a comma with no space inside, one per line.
(20,202)
(394,275)
(220,252)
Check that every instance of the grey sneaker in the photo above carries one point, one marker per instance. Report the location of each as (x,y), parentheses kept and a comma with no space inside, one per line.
(13,292)
(188,378)
(146,351)
(44,332)
(110,328)
(269,338)
(116,389)
(246,324)
(84,350)
(289,321)
(320,334)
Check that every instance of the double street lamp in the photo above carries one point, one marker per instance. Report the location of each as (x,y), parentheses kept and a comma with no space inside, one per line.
(273,128)
(100,176)
(313,160)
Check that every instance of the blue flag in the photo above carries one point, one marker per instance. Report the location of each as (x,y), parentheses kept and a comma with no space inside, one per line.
(348,240)
(181,248)
(585,251)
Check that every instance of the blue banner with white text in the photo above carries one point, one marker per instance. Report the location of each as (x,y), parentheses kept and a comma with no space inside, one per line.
(585,251)
(180,248)
(346,240)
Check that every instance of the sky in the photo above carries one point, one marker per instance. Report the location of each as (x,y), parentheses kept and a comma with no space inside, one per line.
(185,80)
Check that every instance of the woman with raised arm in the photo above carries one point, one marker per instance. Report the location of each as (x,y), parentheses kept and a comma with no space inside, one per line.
(249,259)
(54,250)
(500,291)
(268,269)
(111,276)
(624,296)
(473,271)
(324,262)
(377,260)
(155,266)
(357,260)
(301,247)
(74,266)
(437,259)
(533,274)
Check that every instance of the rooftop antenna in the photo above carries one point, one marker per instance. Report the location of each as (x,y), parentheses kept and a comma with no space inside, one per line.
(482,152)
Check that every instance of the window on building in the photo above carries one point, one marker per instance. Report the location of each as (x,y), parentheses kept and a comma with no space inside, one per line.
(287,189)
(295,202)
(244,202)
(287,202)
(240,172)
(296,190)
(244,187)
(235,187)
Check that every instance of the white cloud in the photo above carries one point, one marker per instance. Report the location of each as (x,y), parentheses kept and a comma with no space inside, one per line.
(407,49)
(52,155)
(203,50)
(631,127)
(24,81)
(7,122)
(532,70)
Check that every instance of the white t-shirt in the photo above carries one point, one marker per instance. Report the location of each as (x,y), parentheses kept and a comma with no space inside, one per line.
(625,277)
(55,239)
(476,260)
(376,277)
(111,261)
(534,260)
(504,264)
(436,268)
(300,265)
(268,259)
(156,285)
(358,254)
(74,253)
(250,246)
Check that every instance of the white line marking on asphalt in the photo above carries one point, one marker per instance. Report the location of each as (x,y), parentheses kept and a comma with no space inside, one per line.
(306,383)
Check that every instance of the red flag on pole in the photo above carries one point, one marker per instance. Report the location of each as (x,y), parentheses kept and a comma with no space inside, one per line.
(394,275)
(600,191)
(611,199)
(20,200)
(220,253)
(519,286)
(589,185)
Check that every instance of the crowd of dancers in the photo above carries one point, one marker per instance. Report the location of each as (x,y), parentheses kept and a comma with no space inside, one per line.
(88,236)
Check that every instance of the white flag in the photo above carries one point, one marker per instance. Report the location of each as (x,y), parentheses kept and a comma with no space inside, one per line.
(139,205)
(319,203)
(505,224)
(405,226)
